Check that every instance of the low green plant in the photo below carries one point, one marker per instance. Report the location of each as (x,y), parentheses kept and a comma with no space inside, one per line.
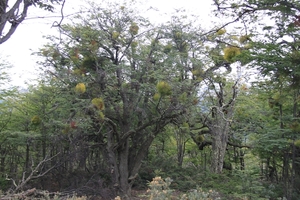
(160,189)
(4,184)
(199,194)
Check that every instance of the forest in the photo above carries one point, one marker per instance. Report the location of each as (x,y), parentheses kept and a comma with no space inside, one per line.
(126,108)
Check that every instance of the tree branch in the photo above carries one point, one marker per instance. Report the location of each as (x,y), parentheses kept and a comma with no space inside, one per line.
(55,24)
(142,127)
(32,175)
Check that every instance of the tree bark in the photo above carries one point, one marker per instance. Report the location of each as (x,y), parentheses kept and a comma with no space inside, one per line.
(125,188)
(219,127)
(219,145)
(11,17)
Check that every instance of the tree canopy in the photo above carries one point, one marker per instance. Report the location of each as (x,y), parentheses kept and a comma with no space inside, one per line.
(122,101)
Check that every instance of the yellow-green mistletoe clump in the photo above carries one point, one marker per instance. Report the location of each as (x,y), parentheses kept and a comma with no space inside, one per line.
(178,35)
(244,38)
(156,96)
(79,72)
(230,53)
(115,35)
(199,138)
(295,126)
(99,103)
(36,120)
(101,115)
(168,48)
(163,88)
(134,44)
(80,88)
(183,97)
(295,56)
(134,29)
(297,143)
(221,31)
(198,72)
(185,127)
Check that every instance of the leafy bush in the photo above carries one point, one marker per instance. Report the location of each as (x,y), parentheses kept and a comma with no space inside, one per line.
(160,189)
(199,194)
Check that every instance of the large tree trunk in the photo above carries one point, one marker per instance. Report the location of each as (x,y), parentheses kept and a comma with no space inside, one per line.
(125,188)
(125,159)
(296,168)
(219,127)
(219,145)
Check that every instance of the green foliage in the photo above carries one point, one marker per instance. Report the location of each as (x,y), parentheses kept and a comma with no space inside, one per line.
(4,185)
(250,187)
(115,97)
(198,193)
(122,68)
(47,6)
(164,88)
(160,189)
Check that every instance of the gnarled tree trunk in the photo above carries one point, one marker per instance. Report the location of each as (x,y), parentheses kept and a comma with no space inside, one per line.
(219,127)
(219,131)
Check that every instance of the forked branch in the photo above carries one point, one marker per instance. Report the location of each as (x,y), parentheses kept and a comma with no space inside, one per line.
(34,173)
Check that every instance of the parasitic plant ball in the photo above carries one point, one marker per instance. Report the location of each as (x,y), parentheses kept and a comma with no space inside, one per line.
(163,88)
(80,88)
(99,103)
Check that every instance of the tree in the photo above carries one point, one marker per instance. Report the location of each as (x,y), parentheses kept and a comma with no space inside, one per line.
(131,78)
(275,54)
(218,94)
(7,93)
(13,13)
(25,138)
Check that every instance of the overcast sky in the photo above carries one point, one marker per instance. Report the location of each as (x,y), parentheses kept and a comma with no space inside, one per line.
(28,37)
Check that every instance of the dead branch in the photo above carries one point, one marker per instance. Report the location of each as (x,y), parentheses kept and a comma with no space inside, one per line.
(22,195)
(34,174)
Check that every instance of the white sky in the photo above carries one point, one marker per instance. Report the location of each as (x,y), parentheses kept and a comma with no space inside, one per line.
(28,37)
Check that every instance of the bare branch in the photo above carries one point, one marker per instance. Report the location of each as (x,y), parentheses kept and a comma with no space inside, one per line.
(55,24)
(16,15)
(144,126)
(33,174)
